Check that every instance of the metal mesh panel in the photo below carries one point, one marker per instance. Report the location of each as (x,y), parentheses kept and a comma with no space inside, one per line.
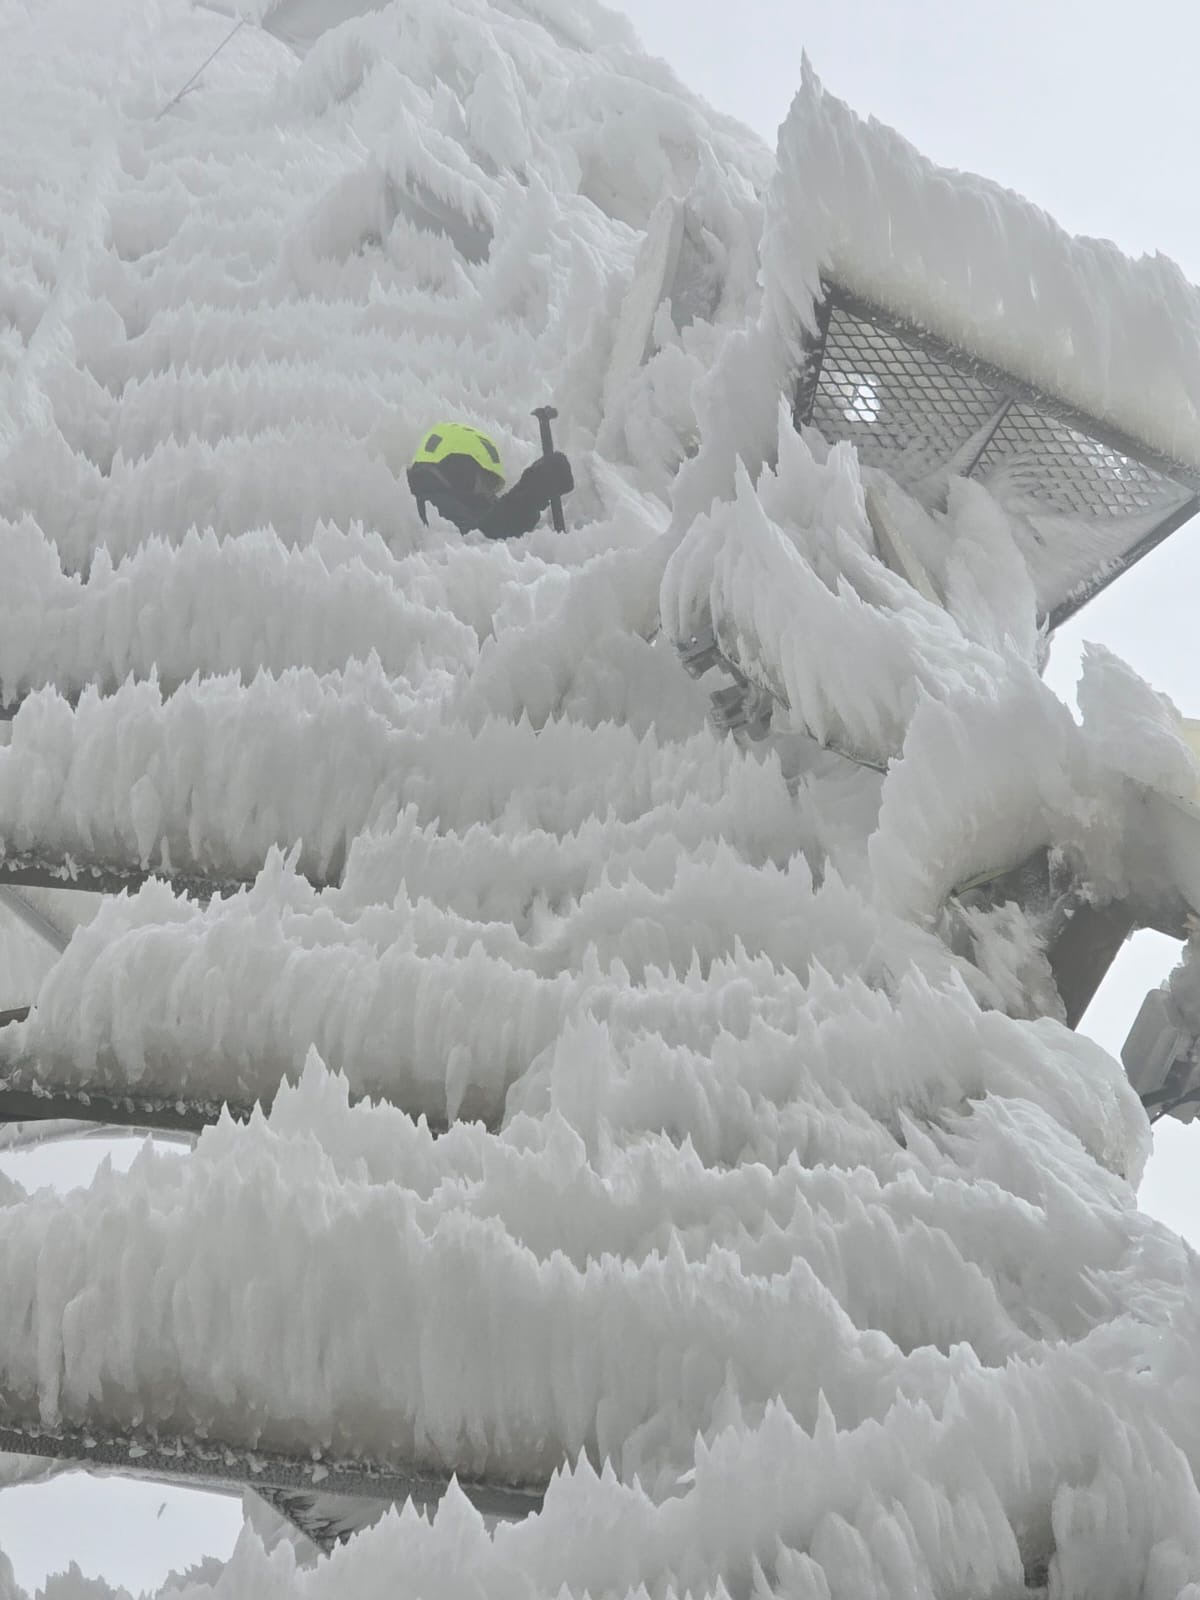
(1069,472)
(920,414)
(903,409)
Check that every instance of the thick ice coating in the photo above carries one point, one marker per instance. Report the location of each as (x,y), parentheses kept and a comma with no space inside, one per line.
(988,271)
(644,1117)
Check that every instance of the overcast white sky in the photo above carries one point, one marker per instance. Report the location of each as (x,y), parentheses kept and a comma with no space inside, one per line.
(1087,107)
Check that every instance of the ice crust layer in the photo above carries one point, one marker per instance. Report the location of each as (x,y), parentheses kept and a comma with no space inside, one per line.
(639,1126)
(986,270)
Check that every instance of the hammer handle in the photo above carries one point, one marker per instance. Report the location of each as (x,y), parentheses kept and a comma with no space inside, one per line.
(546,415)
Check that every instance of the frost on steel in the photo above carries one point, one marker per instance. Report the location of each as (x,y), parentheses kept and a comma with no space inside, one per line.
(619,982)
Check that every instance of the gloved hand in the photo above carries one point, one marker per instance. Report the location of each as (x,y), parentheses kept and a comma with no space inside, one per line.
(549,476)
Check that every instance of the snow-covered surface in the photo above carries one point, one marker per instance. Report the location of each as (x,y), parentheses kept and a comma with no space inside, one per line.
(986,270)
(243,604)
(792,1234)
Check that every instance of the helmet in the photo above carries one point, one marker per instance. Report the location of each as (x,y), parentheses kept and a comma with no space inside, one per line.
(466,452)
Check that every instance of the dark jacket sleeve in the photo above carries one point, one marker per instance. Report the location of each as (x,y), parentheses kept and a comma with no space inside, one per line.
(521,508)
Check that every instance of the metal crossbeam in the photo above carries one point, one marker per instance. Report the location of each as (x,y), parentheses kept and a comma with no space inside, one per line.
(24,1098)
(211,1463)
(67,871)
(1083,948)
(1081,938)
(107,877)
(326,1519)
(33,919)
(29,1093)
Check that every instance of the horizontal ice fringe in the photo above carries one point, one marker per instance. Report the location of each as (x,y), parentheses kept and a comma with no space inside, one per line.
(239,605)
(701,1006)
(465,1209)
(217,773)
(765,1313)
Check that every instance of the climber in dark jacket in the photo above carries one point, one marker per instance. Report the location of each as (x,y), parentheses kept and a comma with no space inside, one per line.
(458,471)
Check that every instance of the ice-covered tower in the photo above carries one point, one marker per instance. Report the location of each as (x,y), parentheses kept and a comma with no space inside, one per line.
(654,947)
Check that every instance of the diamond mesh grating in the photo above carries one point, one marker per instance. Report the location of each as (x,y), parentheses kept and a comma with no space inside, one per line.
(901,408)
(920,416)
(1070,472)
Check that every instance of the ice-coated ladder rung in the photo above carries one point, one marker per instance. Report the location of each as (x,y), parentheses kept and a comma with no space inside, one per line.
(47,871)
(136,1452)
(106,877)
(29,1093)
(26,1099)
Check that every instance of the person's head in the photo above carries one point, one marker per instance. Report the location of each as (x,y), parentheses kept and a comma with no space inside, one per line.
(463,458)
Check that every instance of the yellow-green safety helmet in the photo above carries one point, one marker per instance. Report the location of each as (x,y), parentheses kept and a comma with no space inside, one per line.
(456,439)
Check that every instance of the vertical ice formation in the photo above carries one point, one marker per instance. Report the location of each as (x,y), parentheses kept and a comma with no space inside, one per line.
(794,1249)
